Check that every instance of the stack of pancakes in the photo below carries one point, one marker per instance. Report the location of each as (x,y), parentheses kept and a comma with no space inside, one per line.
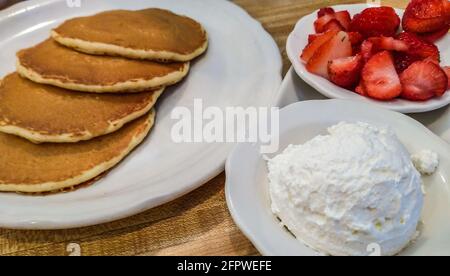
(83,99)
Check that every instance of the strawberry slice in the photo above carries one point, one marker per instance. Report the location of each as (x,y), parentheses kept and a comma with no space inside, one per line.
(403,60)
(388,43)
(375,21)
(423,16)
(324,11)
(345,72)
(320,22)
(447,72)
(311,37)
(435,36)
(333,25)
(339,46)
(423,80)
(318,41)
(341,20)
(344,18)
(355,38)
(361,90)
(380,79)
(418,49)
(366,50)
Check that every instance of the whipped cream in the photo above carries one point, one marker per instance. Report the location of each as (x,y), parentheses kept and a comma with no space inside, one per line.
(343,192)
(426,161)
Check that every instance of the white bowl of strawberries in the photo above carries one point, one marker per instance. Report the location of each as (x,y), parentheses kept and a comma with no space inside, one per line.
(393,58)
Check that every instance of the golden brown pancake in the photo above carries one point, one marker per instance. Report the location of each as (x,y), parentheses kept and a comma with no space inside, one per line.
(30,168)
(51,63)
(144,34)
(43,113)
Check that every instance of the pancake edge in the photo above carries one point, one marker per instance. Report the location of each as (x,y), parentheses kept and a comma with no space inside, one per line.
(134,86)
(37,138)
(98,48)
(86,175)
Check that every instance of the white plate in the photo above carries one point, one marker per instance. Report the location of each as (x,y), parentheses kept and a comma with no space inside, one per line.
(298,39)
(299,122)
(159,170)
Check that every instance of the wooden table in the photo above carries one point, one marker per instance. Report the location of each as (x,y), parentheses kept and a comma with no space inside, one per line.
(196,224)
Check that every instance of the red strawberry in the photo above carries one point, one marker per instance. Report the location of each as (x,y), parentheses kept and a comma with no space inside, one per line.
(379,77)
(403,60)
(423,80)
(375,22)
(344,18)
(345,72)
(333,25)
(323,11)
(423,16)
(355,38)
(339,46)
(311,37)
(388,43)
(361,90)
(319,40)
(322,21)
(435,36)
(418,49)
(447,72)
(366,50)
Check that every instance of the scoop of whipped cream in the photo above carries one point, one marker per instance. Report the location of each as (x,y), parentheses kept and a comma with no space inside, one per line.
(426,161)
(345,192)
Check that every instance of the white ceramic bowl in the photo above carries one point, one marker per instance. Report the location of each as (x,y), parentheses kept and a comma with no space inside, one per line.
(298,39)
(247,184)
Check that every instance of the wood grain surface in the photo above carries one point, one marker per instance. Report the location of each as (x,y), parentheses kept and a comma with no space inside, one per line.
(196,224)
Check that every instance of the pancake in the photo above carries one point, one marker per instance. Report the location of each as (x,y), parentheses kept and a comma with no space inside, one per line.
(53,64)
(43,113)
(30,168)
(154,34)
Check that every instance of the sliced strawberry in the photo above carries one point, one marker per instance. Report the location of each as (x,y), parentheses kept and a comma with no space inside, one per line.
(375,21)
(423,80)
(418,49)
(345,72)
(333,25)
(324,11)
(430,59)
(311,37)
(435,36)
(403,60)
(388,43)
(423,16)
(361,90)
(322,21)
(319,40)
(339,46)
(355,38)
(366,50)
(344,19)
(447,72)
(380,79)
